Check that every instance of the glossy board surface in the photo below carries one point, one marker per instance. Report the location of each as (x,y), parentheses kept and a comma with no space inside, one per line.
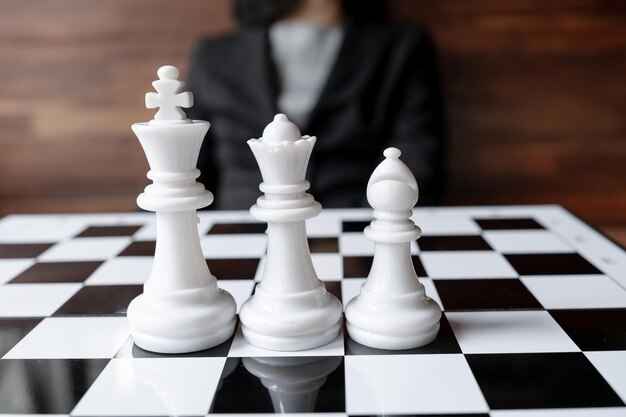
(534,320)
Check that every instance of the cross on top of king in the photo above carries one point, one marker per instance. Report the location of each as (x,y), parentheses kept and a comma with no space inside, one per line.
(168,98)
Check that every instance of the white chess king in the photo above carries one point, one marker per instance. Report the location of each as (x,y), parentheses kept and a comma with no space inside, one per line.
(290,309)
(181,309)
(392,311)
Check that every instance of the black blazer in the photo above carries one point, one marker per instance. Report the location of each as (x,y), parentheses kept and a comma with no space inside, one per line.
(382,91)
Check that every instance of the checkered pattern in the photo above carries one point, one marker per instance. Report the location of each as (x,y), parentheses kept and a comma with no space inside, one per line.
(534,320)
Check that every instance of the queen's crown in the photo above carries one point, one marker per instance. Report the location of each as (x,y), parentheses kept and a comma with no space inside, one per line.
(282,153)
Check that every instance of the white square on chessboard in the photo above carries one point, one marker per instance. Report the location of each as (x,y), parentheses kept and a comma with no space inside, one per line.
(411,384)
(135,218)
(146,233)
(124,270)
(576,291)
(240,348)
(73,337)
(355,244)
(39,229)
(351,287)
(414,247)
(86,249)
(34,300)
(234,246)
(526,241)
(441,225)
(612,367)
(11,225)
(10,268)
(240,289)
(153,386)
(509,332)
(323,226)
(329,266)
(204,225)
(93,219)
(470,264)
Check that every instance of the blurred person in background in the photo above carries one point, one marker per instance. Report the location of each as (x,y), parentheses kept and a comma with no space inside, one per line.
(338,70)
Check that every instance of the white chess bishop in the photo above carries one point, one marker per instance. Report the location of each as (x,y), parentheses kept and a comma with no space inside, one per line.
(181,309)
(290,309)
(392,310)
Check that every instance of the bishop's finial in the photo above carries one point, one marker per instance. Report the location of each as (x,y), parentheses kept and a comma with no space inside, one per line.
(392,186)
(393,153)
(169,98)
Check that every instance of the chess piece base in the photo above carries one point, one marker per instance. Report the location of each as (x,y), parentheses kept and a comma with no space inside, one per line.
(393,342)
(292,343)
(182,321)
(393,321)
(291,322)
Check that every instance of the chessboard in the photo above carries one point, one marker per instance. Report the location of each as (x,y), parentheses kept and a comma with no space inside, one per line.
(534,320)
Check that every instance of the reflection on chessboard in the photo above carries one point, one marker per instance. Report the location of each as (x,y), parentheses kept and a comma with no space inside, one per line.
(534,320)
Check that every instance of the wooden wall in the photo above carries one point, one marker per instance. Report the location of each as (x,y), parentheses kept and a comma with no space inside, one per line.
(535,93)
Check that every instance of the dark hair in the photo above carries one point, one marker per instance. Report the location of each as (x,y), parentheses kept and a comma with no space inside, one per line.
(264,12)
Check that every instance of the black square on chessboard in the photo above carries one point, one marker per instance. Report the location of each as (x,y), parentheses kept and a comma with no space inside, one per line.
(100,300)
(444,343)
(508,224)
(143,248)
(50,272)
(359,266)
(551,264)
(334,287)
(23,250)
(243,392)
(485,294)
(541,380)
(323,244)
(354,226)
(104,231)
(237,228)
(453,243)
(233,268)
(594,329)
(26,384)
(14,330)
(423,415)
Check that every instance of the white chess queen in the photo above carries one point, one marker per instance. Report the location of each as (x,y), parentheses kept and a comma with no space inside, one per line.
(290,309)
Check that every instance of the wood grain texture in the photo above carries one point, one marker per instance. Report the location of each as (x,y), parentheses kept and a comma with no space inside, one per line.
(535,97)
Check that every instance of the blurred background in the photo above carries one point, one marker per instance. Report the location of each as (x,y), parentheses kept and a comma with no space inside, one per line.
(534,90)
